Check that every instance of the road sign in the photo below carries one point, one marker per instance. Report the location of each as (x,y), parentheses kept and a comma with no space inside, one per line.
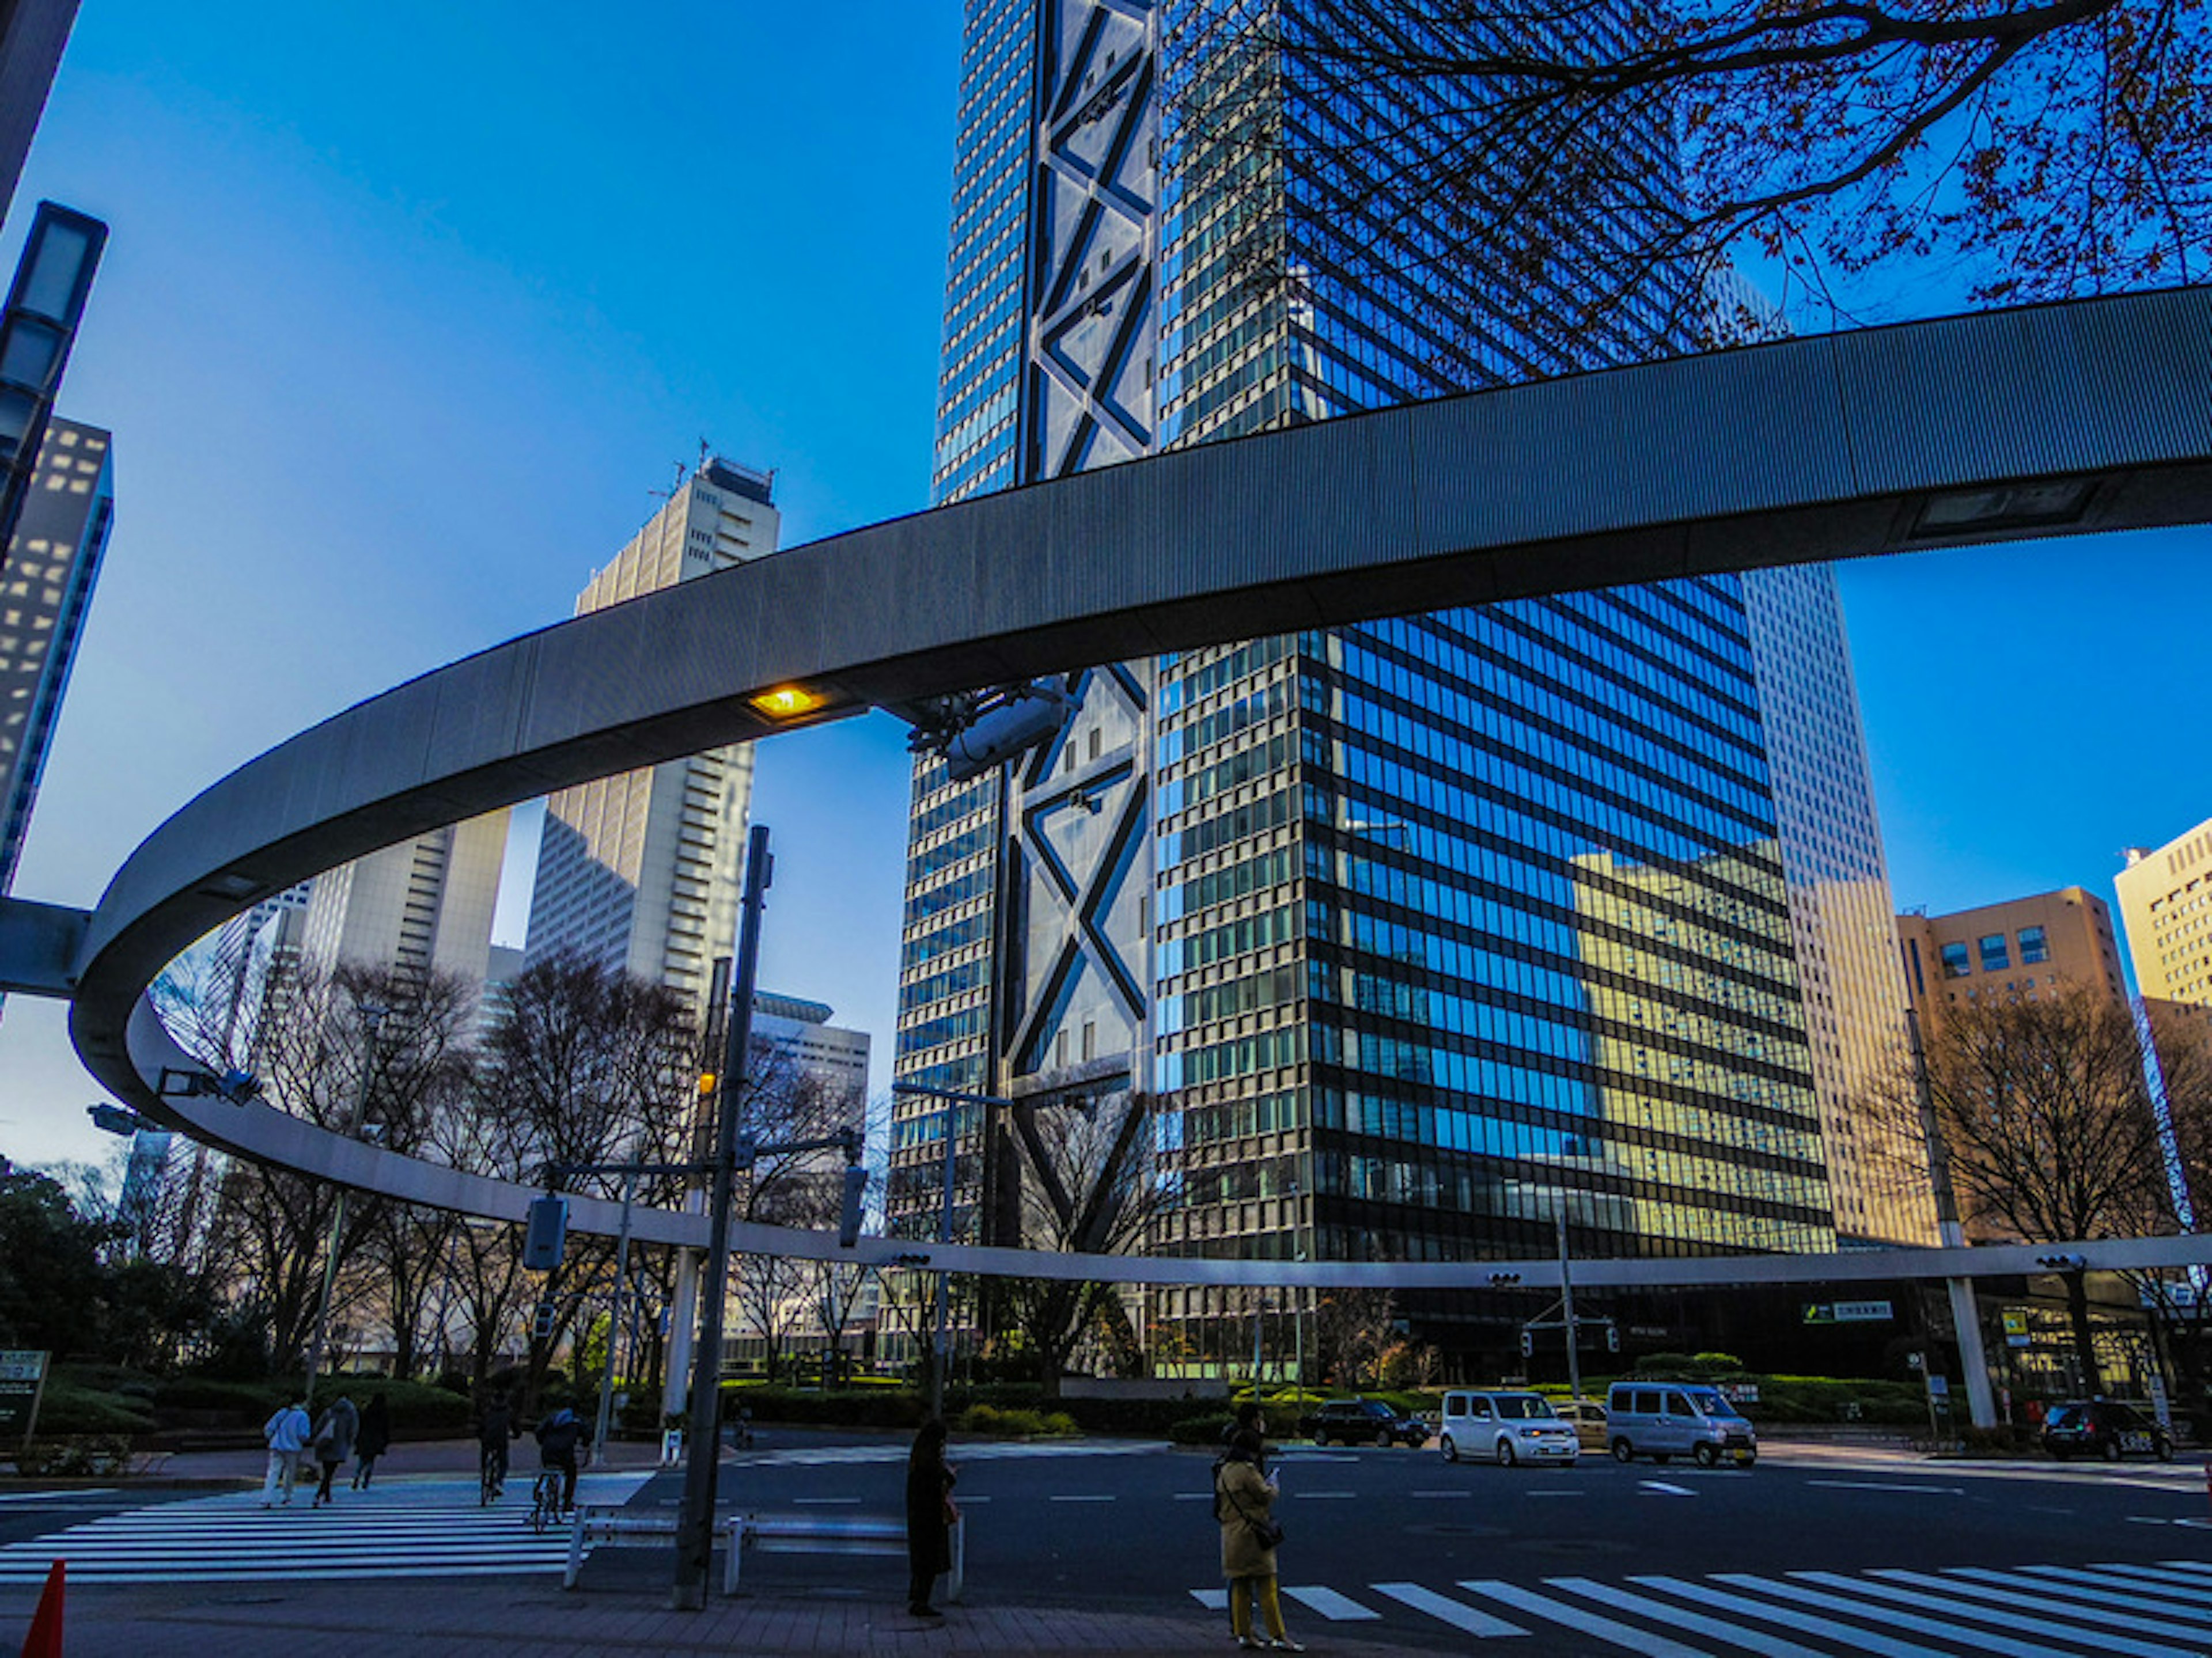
(22,1379)
(1848,1312)
(2015,1330)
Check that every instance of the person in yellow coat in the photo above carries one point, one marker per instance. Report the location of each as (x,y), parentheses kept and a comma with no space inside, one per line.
(1244,1503)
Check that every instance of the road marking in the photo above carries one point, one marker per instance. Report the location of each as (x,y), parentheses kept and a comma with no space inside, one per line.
(1316,1496)
(2042,1626)
(2077,1583)
(825,1500)
(40,1496)
(1463,1492)
(1082,1499)
(1660,1486)
(1857,1640)
(1887,1485)
(1638,1641)
(1337,1608)
(1194,1496)
(1975,1639)
(1212,1600)
(2012,1596)
(1555,1493)
(1768,1646)
(2162,1574)
(1459,1615)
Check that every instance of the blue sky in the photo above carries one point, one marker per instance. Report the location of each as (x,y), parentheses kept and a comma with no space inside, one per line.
(406,310)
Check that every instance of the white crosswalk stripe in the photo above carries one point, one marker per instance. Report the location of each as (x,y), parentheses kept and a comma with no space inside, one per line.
(2141,1612)
(821,1456)
(419,1528)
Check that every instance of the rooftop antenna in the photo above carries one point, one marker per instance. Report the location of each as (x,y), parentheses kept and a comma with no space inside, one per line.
(669,493)
(706,451)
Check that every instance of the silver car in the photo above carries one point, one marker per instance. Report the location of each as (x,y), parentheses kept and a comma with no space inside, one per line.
(1505,1427)
(1664,1419)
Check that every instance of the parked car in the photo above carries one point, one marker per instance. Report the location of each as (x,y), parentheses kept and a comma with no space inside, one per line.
(1507,1426)
(1363,1422)
(1588,1418)
(1666,1419)
(2105,1428)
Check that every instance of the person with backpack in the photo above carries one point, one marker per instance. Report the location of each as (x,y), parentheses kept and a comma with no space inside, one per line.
(333,1442)
(560,1437)
(288,1433)
(1244,1503)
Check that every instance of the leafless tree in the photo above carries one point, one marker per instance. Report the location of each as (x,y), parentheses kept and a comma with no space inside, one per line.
(1352,1330)
(2048,1123)
(1591,159)
(582,1067)
(1090,1185)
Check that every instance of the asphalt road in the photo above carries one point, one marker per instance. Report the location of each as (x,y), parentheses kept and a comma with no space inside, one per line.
(1812,1551)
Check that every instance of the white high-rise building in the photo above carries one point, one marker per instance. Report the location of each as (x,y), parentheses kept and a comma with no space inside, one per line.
(641,871)
(426,903)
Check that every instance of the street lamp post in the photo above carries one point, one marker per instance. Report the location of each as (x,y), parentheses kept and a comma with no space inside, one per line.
(1965,1311)
(372,1017)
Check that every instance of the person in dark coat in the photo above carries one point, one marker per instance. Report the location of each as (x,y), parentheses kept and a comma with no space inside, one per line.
(560,1437)
(373,1439)
(334,1437)
(930,1512)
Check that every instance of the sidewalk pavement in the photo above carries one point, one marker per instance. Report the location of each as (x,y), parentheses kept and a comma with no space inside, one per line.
(478,1618)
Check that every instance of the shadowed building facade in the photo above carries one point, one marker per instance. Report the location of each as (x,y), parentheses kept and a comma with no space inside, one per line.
(1415,933)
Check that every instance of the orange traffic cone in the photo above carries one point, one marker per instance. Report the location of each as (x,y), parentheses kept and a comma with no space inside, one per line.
(44,1640)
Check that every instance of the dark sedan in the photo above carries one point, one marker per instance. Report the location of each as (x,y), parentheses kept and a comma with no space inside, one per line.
(1363,1422)
(2099,1427)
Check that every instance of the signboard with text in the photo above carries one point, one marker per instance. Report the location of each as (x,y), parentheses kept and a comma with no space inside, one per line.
(22,1379)
(1848,1312)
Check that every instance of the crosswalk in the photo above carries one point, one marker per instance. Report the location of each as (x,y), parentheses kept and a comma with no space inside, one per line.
(2150,1611)
(1010,1450)
(415,1528)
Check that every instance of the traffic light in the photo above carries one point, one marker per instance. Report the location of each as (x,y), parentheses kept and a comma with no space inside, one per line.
(1613,1338)
(1528,1344)
(856,1191)
(541,1321)
(547,1235)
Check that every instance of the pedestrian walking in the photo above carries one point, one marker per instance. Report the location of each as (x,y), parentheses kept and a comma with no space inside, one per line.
(288,1433)
(334,1436)
(931,1514)
(376,1439)
(1244,1503)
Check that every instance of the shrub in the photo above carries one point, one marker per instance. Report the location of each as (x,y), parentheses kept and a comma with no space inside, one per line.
(2003,1440)
(75,1455)
(66,1408)
(1199,1430)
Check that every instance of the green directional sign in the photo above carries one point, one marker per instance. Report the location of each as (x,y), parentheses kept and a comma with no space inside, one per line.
(22,1379)
(1848,1312)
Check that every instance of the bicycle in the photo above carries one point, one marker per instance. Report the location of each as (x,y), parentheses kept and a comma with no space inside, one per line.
(546,1500)
(491,1478)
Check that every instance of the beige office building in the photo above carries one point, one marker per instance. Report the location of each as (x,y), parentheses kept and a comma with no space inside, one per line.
(2010,952)
(2166,904)
(642,873)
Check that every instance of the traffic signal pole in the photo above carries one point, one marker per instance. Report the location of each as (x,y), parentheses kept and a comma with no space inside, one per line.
(694,1528)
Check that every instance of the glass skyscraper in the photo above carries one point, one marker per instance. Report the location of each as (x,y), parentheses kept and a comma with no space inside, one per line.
(1420,934)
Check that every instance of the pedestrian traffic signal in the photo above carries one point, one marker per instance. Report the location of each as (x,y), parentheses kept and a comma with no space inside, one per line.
(1528,1344)
(1613,1338)
(856,1191)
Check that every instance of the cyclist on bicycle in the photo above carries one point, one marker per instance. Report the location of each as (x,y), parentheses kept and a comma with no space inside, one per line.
(495,1426)
(559,1438)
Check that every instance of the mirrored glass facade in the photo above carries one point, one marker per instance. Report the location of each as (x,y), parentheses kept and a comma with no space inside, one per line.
(1451,925)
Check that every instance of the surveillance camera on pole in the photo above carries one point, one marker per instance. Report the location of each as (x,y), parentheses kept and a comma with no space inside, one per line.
(979,735)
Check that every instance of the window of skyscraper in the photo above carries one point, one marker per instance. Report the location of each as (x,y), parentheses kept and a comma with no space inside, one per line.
(1955,962)
(2033,947)
(1996,954)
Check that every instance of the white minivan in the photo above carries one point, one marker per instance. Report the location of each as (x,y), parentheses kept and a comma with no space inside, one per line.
(1661,1419)
(1505,1427)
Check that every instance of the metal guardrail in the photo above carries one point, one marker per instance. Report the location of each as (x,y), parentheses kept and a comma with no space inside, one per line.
(598,1524)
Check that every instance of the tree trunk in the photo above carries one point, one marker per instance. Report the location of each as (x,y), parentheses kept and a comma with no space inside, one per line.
(2085,1348)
